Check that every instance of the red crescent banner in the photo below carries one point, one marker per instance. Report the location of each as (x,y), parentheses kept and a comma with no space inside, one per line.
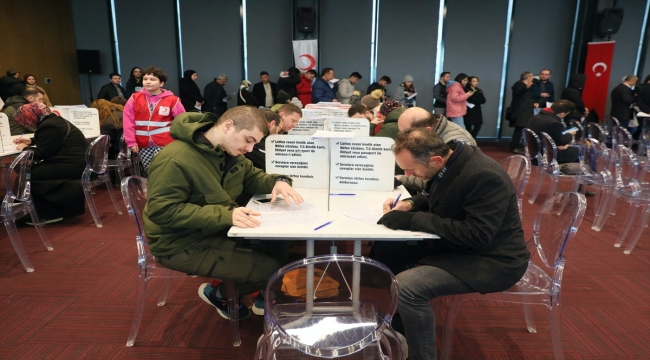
(305,54)
(598,68)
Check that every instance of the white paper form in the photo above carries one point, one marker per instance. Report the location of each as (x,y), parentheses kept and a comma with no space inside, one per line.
(288,218)
(368,217)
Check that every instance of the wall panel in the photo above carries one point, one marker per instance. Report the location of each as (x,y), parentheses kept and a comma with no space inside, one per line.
(269,28)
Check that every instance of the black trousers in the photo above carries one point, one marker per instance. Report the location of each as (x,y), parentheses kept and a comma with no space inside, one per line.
(516,142)
(473,129)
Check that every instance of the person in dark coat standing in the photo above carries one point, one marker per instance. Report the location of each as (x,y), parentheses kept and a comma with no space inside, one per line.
(521,108)
(472,207)
(474,117)
(189,92)
(288,81)
(622,99)
(573,93)
(643,97)
(542,90)
(549,120)
(244,96)
(321,91)
(215,96)
(379,85)
(11,85)
(265,91)
(440,94)
(134,84)
(112,89)
(59,161)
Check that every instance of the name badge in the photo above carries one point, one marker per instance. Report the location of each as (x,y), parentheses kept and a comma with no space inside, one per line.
(163,110)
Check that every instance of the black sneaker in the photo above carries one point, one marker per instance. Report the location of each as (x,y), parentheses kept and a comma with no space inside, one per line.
(258,306)
(208,292)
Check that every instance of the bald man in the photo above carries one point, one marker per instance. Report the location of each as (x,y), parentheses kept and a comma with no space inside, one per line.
(421,118)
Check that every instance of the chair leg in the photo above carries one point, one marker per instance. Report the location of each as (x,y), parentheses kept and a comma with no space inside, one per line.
(450,325)
(141,294)
(556,328)
(538,185)
(639,230)
(10,225)
(109,186)
(162,299)
(551,189)
(91,204)
(233,305)
(401,352)
(602,211)
(629,221)
(389,353)
(262,346)
(528,316)
(39,229)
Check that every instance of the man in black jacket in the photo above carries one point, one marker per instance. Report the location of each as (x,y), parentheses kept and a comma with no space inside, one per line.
(643,98)
(381,85)
(522,107)
(215,97)
(440,94)
(471,204)
(288,81)
(550,122)
(622,99)
(265,91)
(542,90)
(10,84)
(30,95)
(112,89)
(573,93)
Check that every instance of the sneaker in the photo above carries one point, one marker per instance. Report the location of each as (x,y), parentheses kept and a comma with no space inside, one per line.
(44,221)
(258,306)
(519,151)
(208,292)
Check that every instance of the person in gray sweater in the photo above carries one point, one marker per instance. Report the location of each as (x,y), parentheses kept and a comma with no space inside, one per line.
(471,204)
(346,88)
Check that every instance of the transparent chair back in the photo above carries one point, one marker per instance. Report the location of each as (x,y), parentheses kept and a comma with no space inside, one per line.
(580,133)
(18,203)
(556,223)
(97,163)
(338,316)
(533,147)
(134,191)
(609,122)
(550,153)
(596,132)
(97,154)
(645,133)
(518,168)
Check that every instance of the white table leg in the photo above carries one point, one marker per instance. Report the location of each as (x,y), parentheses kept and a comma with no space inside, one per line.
(310,277)
(356,274)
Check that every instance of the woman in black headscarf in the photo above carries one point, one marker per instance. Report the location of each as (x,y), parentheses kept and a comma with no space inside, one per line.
(189,93)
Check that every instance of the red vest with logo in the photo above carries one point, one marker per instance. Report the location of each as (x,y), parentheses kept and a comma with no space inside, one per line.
(152,127)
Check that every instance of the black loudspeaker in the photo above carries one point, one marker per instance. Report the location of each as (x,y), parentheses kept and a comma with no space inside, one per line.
(88,62)
(306,19)
(610,21)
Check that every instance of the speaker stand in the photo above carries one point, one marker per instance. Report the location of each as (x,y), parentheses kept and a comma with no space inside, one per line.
(90,89)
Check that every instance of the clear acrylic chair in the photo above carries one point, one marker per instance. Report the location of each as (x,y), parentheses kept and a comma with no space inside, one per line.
(551,169)
(134,191)
(518,168)
(608,124)
(125,160)
(533,149)
(18,203)
(97,164)
(556,224)
(596,131)
(356,317)
(579,134)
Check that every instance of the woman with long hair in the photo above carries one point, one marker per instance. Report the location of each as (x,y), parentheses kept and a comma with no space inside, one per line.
(110,123)
(30,82)
(134,84)
(457,99)
(474,116)
(405,91)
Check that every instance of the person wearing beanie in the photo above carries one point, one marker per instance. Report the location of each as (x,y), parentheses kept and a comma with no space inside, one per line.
(11,85)
(380,85)
(355,98)
(189,92)
(245,97)
(346,88)
(288,81)
(391,110)
(404,92)
(373,100)
(282,98)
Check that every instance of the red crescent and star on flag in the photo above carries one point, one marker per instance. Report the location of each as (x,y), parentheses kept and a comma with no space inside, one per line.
(312,61)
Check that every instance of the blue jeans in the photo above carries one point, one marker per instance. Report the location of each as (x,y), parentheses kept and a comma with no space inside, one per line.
(417,287)
(458,121)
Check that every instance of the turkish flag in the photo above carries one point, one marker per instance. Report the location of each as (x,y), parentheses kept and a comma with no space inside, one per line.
(597,69)
(305,54)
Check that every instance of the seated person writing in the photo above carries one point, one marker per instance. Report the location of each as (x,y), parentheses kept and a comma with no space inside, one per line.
(193,184)
(471,204)
(59,161)
(549,120)
(30,95)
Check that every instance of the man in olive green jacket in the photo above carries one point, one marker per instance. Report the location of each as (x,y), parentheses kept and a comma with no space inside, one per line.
(193,184)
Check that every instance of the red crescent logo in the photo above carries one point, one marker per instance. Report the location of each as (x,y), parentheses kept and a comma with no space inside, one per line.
(312,61)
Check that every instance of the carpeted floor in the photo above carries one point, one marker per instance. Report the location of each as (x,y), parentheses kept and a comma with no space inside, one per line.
(78,303)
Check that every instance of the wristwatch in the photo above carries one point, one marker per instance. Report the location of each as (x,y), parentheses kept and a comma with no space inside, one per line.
(284,179)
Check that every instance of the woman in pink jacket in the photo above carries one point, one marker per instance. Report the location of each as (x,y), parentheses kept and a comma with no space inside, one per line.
(457,99)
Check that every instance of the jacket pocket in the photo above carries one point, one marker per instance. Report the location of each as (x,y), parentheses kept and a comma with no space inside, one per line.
(217,198)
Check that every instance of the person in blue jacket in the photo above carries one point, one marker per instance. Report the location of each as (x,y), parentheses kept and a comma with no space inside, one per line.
(321,91)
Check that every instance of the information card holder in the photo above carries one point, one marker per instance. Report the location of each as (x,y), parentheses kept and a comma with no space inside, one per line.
(85,119)
(5,130)
(299,157)
(308,126)
(363,163)
(360,127)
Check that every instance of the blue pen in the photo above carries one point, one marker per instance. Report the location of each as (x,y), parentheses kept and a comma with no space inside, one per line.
(396,200)
(322,226)
(332,194)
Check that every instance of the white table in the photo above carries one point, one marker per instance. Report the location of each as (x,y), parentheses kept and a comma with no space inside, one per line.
(10,149)
(342,227)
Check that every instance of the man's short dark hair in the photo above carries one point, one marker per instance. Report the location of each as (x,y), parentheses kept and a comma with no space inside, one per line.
(357,109)
(157,72)
(313,72)
(264,73)
(545,69)
(562,106)
(431,121)
(525,75)
(386,79)
(110,76)
(444,73)
(32,91)
(289,109)
(271,116)
(326,71)
(356,75)
(246,117)
(421,143)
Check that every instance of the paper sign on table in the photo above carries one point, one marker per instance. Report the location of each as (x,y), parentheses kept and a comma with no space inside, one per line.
(315,113)
(363,163)
(360,127)
(5,130)
(308,126)
(85,119)
(298,156)
(336,112)
(323,134)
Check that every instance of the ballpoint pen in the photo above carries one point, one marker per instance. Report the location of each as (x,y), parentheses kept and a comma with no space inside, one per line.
(322,226)
(336,194)
(396,200)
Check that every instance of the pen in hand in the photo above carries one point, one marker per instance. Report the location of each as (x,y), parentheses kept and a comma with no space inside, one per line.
(396,200)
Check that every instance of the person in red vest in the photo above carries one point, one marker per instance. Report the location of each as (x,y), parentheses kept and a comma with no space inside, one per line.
(148,116)
(304,88)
